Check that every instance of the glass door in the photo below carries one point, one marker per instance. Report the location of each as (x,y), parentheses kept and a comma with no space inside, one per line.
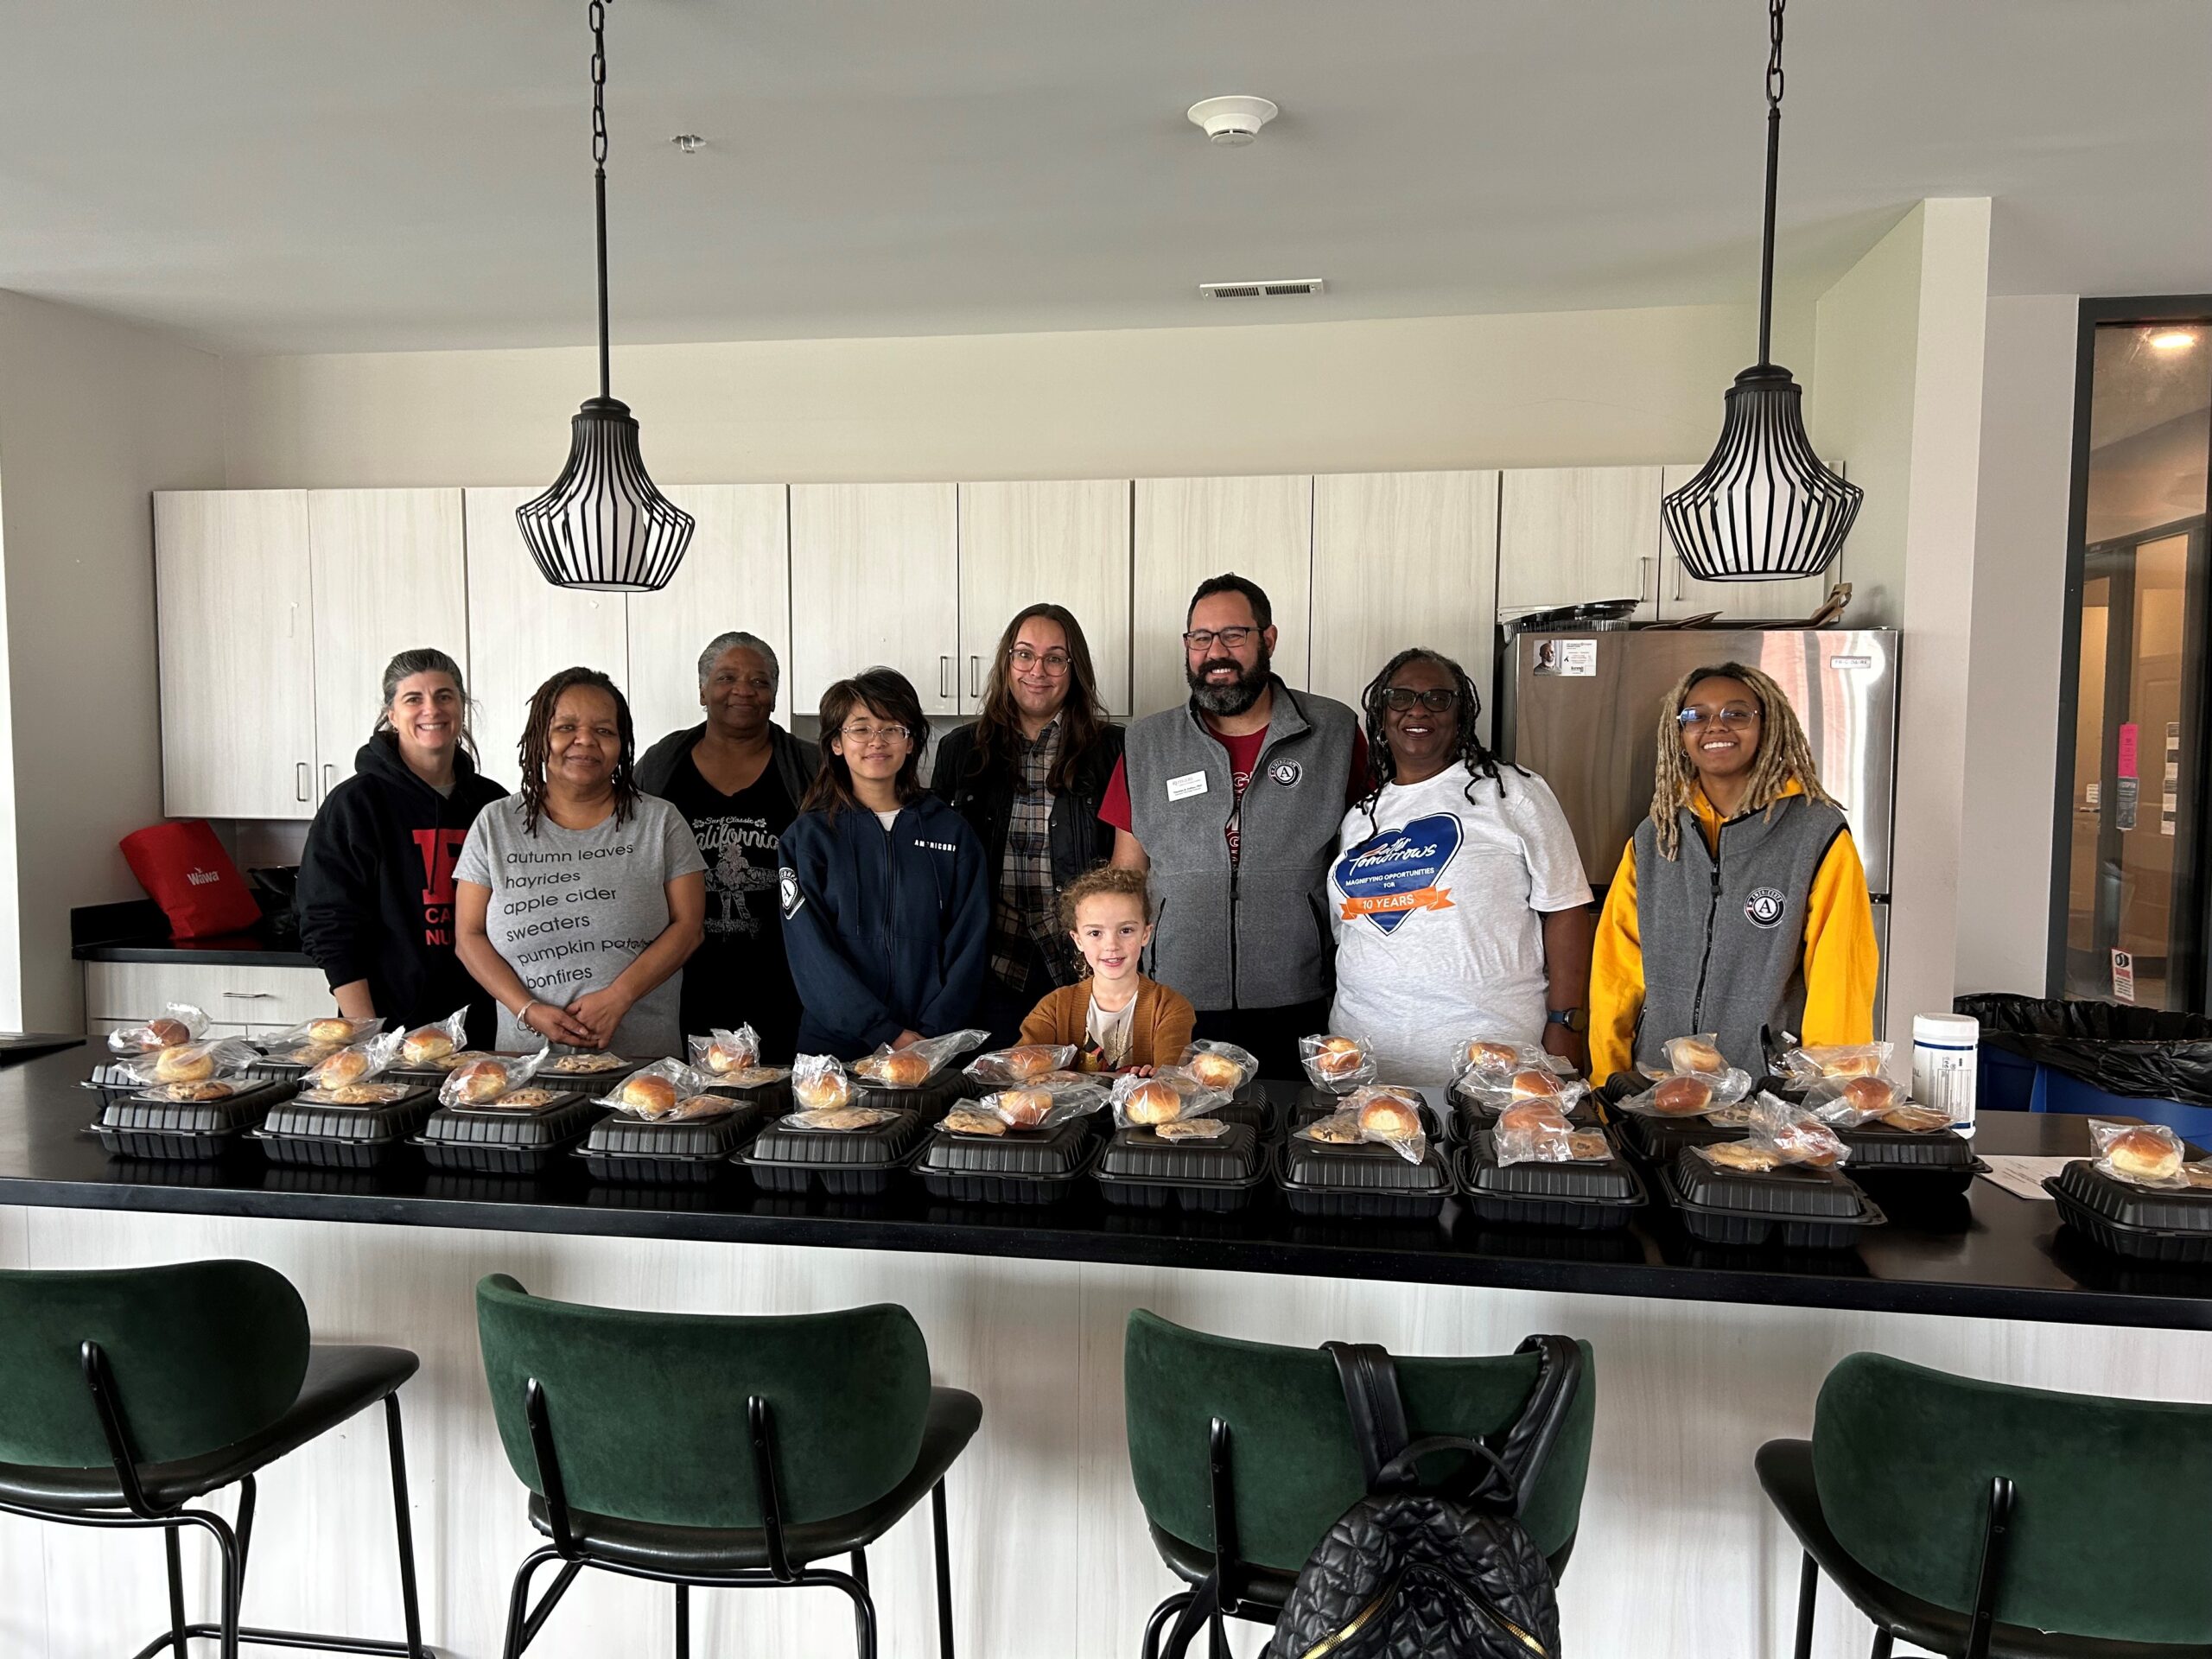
(2133,852)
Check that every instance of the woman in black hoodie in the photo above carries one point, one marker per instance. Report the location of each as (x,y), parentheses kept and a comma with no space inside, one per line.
(375,897)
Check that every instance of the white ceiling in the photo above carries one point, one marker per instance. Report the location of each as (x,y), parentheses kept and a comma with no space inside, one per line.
(294,175)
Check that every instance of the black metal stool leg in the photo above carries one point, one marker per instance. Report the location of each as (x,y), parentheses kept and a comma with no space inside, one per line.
(683,1621)
(944,1572)
(1882,1640)
(523,1621)
(170,1548)
(1808,1590)
(249,1497)
(404,1519)
(1157,1622)
(864,1604)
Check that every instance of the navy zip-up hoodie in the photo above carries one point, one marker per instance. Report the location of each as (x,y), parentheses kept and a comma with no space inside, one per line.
(887,931)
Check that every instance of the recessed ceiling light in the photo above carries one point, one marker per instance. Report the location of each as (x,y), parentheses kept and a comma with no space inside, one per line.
(689,142)
(2173,340)
(1235,120)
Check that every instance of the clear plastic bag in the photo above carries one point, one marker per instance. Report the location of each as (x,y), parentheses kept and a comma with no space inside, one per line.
(1220,1065)
(1384,1117)
(332,1031)
(841,1119)
(1532,1134)
(916,1064)
(1192,1128)
(1696,1056)
(819,1083)
(488,1079)
(1796,1135)
(1849,1101)
(1684,1095)
(1337,1063)
(567,1062)
(356,1063)
(2144,1154)
(1025,1063)
(439,1044)
(1804,1067)
(1167,1095)
(656,1092)
(1041,1106)
(1494,1057)
(1494,1092)
(177,1024)
(722,1054)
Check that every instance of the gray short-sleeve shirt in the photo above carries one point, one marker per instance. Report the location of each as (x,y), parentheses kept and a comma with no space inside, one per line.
(570,909)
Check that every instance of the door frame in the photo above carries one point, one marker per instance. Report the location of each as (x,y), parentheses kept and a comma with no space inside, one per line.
(2093,314)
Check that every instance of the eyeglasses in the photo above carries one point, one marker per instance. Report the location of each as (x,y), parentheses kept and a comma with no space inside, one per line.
(1231,638)
(864,733)
(1052,662)
(1436,698)
(1733,715)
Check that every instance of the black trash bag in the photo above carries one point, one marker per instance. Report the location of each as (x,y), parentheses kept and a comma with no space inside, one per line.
(2116,1047)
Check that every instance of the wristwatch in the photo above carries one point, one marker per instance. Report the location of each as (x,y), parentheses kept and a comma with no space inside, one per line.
(1575,1020)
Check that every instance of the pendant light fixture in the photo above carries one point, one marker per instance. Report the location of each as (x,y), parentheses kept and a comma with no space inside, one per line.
(1764,508)
(603,526)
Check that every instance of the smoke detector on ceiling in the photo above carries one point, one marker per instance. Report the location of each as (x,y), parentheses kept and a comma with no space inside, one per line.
(1279,288)
(1234,120)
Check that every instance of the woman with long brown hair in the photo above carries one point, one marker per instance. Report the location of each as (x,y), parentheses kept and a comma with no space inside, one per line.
(1029,775)
(1741,906)
(579,899)
(883,887)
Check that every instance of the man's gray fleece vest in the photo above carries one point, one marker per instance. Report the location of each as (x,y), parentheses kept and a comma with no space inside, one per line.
(1723,940)
(1254,936)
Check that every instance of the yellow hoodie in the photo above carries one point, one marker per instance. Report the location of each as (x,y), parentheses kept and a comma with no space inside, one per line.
(1840,965)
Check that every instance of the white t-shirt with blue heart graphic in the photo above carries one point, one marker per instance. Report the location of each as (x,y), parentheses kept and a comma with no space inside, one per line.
(1436,908)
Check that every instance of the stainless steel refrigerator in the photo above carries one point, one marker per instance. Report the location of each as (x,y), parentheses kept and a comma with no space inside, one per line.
(1582,710)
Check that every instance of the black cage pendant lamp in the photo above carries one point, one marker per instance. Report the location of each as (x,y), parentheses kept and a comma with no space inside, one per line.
(1764,508)
(603,526)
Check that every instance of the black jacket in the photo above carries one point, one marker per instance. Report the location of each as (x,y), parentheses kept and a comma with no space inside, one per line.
(375,896)
(796,760)
(986,800)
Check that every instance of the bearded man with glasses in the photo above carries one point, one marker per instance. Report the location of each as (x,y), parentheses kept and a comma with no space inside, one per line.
(1231,801)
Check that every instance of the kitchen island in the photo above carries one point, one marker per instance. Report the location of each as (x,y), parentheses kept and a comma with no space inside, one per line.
(1701,1355)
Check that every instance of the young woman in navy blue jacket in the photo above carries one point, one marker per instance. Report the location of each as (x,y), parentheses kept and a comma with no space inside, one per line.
(886,900)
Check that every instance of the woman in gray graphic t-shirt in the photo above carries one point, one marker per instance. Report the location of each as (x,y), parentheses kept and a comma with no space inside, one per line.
(578,899)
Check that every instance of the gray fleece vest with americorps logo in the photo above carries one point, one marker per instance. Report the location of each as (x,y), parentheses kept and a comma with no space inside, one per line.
(1253,935)
(1724,939)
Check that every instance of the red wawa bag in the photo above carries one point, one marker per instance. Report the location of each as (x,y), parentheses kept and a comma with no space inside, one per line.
(185,870)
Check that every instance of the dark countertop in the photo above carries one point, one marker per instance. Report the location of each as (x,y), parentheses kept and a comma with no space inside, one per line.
(136,931)
(1986,1255)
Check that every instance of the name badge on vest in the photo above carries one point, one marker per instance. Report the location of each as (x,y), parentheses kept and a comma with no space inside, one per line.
(1190,783)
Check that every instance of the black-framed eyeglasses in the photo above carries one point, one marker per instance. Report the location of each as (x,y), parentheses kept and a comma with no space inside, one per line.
(1052,662)
(1230,638)
(1436,699)
(1733,715)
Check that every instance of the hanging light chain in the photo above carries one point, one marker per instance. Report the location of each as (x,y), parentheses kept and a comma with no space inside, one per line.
(599,79)
(1774,53)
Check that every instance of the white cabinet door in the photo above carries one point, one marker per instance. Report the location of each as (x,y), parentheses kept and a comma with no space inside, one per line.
(735,577)
(235,604)
(1024,543)
(260,995)
(523,630)
(1571,534)
(1189,529)
(875,578)
(389,576)
(1403,559)
(1682,595)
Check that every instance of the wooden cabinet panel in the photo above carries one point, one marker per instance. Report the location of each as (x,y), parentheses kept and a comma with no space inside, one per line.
(1403,559)
(390,574)
(262,997)
(875,578)
(1189,529)
(1569,534)
(1682,595)
(523,630)
(735,575)
(235,602)
(1023,543)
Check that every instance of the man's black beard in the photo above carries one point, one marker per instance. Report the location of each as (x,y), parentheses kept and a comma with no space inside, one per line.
(1226,701)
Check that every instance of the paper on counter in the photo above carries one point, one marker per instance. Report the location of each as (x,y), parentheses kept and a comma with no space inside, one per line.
(2021,1175)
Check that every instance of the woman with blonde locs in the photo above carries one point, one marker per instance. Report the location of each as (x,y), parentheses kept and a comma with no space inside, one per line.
(1741,906)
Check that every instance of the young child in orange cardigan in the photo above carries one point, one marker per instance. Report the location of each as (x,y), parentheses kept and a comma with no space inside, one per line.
(1117,1020)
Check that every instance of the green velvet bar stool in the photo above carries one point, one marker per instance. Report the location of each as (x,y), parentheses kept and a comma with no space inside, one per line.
(1973,1518)
(1257,1438)
(717,1450)
(127,1393)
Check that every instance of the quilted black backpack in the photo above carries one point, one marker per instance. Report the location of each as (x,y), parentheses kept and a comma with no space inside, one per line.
(1442,1570)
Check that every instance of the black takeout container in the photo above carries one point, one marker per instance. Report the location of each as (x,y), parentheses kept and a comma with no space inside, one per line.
(1363,1180)
(177,1131)
(2143,1223)
(1022,1166)
(1140,1171)
(320,1135)
(668,1152)
(1792,1208)
(504,1141)
(843,1163)
(1595,1197)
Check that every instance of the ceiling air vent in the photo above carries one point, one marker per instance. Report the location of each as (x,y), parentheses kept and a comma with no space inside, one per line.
(1262,291)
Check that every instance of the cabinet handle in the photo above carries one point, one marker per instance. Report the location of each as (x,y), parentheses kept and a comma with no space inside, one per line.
(1651,559)
(300,780)
(1679,577)
(945,676)
(329,776)
(975,676)
(250,996)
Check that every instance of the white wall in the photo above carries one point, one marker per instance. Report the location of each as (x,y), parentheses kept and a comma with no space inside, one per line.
(94,415)
(2019,610)
(1538,389)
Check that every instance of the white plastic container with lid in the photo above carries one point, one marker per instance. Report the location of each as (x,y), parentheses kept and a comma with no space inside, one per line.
(1947,1065)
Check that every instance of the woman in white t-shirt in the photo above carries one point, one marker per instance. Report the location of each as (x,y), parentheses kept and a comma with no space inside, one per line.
(1458,898)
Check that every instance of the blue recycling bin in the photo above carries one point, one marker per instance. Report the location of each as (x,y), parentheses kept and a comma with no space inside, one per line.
(2101,1060)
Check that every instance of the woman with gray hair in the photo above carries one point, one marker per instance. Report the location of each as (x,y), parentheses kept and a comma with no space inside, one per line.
(376,895)
(737,778)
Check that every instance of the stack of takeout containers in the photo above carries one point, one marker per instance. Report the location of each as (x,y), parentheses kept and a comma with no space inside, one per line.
(312,1128)
(669,1124)
(1359,1149)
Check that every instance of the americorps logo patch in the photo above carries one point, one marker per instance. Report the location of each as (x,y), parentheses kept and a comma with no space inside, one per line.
(1765,908)
(787,893)
(1286,772)
(1390,876)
